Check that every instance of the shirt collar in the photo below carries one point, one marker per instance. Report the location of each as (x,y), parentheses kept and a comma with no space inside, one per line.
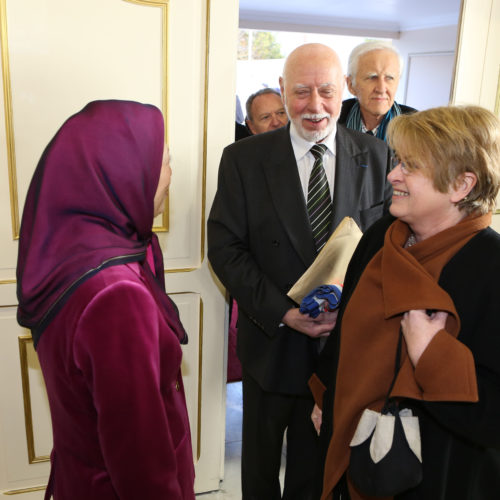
(301,147)
(364,129)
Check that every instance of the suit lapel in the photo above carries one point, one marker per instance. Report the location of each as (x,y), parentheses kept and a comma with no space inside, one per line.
(349,158)
(280,170)
(283,180)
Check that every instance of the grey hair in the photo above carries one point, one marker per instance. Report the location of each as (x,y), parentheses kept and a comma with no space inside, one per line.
(364,48)
(248,105)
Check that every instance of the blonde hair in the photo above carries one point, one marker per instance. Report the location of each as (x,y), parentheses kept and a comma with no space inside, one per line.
(448,142)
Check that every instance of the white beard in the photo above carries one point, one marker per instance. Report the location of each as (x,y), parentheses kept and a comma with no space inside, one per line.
(312,135)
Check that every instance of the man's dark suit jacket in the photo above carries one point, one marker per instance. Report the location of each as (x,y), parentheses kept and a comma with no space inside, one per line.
(260,241)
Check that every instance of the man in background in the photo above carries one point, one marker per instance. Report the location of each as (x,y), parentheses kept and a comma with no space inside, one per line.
(264,230)
(265,111)
(373,74)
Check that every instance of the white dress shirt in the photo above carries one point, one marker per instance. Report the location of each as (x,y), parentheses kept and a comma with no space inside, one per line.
(305,159)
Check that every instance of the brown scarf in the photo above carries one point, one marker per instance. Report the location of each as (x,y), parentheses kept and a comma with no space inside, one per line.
(396,280)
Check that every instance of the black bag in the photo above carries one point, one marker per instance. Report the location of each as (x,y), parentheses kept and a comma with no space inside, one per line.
(385,460)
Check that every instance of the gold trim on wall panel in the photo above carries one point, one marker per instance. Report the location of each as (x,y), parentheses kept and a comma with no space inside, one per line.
(205,134)
(497,112)
(24,340)
(9,128)
(497,100)
(24,490)
(181,270)
(200,367)
(163,5)
(458,45)
(9,121)
(205,140)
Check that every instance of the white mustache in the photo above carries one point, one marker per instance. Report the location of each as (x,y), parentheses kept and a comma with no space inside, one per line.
(316,116)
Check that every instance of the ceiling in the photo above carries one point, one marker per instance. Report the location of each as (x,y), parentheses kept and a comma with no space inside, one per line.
(383,18)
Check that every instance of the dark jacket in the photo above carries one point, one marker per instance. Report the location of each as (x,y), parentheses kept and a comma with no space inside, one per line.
(260,241)
(460,441)
(349,103)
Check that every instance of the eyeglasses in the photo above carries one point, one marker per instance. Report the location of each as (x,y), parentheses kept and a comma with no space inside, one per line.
(396,160)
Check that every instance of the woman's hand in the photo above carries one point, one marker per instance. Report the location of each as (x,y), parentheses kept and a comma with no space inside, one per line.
(419,329)
(317,418)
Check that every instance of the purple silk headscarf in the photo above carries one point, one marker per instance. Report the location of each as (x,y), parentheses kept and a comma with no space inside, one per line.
(90,205)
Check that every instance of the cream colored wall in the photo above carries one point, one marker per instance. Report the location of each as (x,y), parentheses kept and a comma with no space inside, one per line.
(57,55)
(427,41)
(477,77)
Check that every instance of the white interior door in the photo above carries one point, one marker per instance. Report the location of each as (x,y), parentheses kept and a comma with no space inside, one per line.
(57,55)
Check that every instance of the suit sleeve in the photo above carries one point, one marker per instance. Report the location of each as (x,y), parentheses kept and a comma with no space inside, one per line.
(230,254)
(117,348)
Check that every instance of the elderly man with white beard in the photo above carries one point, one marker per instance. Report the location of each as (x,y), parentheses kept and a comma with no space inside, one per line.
(279,197)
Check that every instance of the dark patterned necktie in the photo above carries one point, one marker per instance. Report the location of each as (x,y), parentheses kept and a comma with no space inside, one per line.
(319,203)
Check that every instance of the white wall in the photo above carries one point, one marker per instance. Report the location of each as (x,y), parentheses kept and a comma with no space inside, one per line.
(427,41)
(477,78)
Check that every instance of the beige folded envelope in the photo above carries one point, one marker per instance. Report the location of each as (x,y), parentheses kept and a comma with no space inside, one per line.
(330,265)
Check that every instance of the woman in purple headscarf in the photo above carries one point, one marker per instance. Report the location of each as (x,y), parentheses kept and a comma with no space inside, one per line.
(90,288)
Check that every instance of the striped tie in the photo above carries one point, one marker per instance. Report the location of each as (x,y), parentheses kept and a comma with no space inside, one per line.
(319,203)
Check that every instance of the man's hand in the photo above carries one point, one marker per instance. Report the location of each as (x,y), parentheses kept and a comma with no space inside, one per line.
(317,418)
(419,329)
(313,327)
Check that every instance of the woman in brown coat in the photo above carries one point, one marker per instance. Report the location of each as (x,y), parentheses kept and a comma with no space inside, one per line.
(431,270)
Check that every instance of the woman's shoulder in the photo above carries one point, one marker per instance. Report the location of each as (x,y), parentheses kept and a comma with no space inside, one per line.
(486,242)
(115,296)
(375,234)
(116,291)
(370,243)
(129,272)
(478,259)
(109,284)
(489,235)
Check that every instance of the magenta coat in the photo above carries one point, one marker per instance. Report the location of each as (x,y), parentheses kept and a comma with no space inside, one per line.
(112,369)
